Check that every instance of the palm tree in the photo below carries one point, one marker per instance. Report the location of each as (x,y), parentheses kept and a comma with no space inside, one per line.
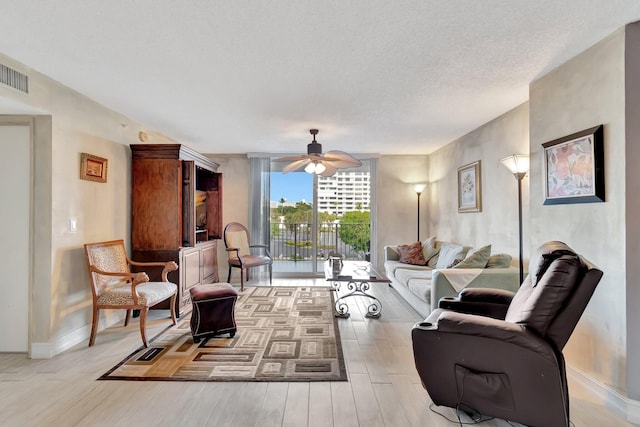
(282,202)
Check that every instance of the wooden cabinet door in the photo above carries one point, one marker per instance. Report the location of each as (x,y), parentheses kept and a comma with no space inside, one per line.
(156,216)
(210,263)
(190,267)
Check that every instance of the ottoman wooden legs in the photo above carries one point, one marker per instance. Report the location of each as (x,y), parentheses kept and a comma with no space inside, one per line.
(213,307)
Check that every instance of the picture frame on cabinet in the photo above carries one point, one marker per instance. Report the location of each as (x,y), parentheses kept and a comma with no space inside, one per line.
(93,168)
(469,188)
(574,168)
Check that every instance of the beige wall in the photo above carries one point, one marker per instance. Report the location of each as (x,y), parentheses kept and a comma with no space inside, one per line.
(235,169)
(68,124)
(585,92)
(397,203)
(497,223)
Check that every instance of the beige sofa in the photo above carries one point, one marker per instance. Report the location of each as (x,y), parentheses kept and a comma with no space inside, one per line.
(448,269)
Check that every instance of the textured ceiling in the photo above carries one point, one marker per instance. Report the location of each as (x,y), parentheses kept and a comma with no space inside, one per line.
(254,76)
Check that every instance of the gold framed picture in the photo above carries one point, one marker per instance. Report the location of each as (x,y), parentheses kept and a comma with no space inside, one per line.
(469,188)
(93,168)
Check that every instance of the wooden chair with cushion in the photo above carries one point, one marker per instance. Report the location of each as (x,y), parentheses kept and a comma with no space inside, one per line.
(114,286)
(238,243)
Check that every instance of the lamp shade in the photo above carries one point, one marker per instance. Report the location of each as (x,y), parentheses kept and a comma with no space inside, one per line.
(518,164)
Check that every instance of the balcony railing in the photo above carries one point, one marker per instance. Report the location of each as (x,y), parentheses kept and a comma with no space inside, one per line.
(293,241)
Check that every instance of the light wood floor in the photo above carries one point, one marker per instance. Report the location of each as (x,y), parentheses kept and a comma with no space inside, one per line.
(383,387)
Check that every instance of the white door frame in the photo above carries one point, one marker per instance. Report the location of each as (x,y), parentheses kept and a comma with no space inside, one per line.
(27,121)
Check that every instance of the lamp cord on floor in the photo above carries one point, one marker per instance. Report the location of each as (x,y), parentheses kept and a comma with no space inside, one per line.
(474,421)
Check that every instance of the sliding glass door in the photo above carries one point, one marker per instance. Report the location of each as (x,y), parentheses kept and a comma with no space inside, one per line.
(292,224)
(312,216)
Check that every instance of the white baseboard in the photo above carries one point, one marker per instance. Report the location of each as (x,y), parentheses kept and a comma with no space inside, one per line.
(45,350)
(48,350)
(628,408)
(40,350)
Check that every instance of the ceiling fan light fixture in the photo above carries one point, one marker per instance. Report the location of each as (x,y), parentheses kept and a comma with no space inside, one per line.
(315,168)
(317,163)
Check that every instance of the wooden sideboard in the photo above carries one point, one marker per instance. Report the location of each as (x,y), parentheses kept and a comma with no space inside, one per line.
(176,213)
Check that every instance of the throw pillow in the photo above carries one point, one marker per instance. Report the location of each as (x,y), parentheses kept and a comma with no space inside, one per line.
(454,263)
(499,261)
(411,254)
(449,252)
(478,259)
(431,262)
(429,248)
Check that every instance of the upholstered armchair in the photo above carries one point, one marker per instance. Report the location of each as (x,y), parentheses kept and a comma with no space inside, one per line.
(114,286)
(500,354)
(238,243)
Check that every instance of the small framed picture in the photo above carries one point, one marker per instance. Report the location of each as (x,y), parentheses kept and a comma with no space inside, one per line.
(574,168)
(93,168)
(469,188)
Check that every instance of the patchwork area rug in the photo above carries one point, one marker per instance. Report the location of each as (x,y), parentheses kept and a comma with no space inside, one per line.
(284,334)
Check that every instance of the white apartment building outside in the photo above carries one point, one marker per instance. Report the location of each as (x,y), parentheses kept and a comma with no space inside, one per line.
(343,192)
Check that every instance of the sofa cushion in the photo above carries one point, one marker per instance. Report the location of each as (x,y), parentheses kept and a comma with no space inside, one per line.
(405,275)
(499,261)
(429,248)
(421,287)
(392,267)
(418,281)
(477,259)
(449,252)
(411,254)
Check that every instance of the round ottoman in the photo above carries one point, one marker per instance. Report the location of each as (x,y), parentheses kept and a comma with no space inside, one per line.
(213,310)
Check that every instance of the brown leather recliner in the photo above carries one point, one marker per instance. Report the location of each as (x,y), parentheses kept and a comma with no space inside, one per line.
(500,353)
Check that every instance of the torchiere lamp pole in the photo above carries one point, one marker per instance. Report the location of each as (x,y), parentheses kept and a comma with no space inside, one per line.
(419,189)
(518,164)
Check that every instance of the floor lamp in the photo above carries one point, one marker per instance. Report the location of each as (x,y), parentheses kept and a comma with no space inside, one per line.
(419,189)
(518,164)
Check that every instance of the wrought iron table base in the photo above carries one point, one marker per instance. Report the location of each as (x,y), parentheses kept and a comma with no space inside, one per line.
(357,288)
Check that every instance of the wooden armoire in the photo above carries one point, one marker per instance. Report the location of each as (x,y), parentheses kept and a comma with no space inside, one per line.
(176,213)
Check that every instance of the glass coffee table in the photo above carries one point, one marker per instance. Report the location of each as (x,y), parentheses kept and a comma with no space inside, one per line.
(358,276)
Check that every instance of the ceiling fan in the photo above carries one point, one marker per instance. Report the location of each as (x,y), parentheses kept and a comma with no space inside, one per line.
(317,163)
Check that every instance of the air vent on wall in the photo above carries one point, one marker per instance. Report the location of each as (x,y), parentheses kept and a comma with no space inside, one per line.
(14,79)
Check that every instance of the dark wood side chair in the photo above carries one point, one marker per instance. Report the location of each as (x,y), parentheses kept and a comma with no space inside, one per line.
(114,286)
(238,243)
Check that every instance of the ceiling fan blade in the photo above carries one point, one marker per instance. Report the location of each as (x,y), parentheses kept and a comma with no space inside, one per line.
(291,158)
(329,170)
(340,159)
(296,165)
(332,160)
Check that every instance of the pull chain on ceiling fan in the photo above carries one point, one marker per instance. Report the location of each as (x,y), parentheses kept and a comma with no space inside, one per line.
(317,163)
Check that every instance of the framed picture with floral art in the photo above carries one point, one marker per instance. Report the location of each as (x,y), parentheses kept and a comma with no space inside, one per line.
(574,168)
(469,188)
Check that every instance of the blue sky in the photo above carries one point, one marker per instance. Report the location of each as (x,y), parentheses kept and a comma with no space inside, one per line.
(293,186)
